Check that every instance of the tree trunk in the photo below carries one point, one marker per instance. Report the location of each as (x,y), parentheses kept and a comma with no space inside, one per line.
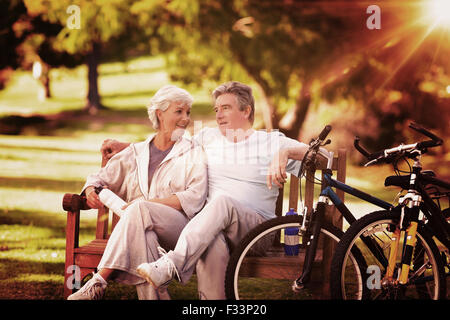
(297,117)
(270,117)
(45,79)
(93,98)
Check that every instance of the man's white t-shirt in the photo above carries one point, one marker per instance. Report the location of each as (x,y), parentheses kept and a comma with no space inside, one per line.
(239,169)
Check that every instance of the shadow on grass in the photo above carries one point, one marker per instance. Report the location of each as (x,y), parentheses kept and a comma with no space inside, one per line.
(79,119)
(31,290)
(12,268)
(146,93)
(15,285)
(63,186)
(43,219)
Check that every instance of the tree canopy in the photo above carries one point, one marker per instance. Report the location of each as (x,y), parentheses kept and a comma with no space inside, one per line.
(298,54)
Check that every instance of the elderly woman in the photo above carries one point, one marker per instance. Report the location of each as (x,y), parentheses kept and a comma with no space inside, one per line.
(164,182)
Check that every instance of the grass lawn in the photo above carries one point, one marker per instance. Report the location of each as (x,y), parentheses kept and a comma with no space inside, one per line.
(36,170)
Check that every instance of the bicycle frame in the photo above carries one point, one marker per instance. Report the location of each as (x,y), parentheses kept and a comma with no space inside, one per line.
(327,195)
(330,194)
(429,208)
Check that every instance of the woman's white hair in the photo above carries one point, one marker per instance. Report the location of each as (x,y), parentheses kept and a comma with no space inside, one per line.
(162,100)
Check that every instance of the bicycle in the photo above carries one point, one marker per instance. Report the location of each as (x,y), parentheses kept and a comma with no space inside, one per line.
(264,240)
(409,264)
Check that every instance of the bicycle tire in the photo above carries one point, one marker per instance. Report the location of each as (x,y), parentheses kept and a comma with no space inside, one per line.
(272,288)
(429,282)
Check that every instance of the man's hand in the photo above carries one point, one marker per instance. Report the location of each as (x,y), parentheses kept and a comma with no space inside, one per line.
(92,198)
(277,169)
(110,147)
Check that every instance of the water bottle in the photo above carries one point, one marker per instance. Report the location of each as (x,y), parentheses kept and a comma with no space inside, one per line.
(111,200)
(291,238)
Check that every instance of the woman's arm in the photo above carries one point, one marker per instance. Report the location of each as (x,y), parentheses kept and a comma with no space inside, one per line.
(171,201)
(92,198)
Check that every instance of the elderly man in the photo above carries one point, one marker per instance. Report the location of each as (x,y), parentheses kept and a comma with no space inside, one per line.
(243,164)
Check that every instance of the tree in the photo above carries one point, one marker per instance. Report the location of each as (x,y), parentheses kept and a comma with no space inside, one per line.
(87,27)
(282,46)
(38,46)
(298,52)
(10,12)
(404,80)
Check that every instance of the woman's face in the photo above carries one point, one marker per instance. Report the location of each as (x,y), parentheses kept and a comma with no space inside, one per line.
(174,120)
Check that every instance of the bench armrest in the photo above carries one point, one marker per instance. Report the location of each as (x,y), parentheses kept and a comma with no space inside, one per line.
(74,202)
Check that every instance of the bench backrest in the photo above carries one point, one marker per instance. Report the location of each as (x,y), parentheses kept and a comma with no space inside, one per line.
(339,165)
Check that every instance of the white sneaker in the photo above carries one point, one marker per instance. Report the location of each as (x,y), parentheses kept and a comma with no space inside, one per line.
(94,289)
(160,272)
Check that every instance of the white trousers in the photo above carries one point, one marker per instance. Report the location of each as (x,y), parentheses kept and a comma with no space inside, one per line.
(142,228)
(202,243)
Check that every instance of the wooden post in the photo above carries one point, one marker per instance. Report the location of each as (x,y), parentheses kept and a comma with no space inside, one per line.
(72,232)
(293,193)
(333,217)
(102,216)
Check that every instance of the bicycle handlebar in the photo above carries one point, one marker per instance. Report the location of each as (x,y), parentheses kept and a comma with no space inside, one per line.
(425,132)
(314,149)
(410,149)
(324,132)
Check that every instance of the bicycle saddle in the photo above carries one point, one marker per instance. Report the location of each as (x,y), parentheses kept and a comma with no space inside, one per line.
(403,181)
(399,181)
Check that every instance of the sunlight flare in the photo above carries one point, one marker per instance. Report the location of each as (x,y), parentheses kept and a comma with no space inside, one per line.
(438,12)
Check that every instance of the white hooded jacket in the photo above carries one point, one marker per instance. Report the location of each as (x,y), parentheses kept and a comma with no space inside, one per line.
(182,172)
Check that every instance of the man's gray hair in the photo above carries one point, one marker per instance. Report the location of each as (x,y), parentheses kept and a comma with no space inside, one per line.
(243,94)
(162,100)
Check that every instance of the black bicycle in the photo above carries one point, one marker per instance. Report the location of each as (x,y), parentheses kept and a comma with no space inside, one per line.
(266,242)
(412,238)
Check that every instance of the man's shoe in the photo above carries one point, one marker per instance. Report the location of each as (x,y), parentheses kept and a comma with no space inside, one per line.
(94,289)
(160,272)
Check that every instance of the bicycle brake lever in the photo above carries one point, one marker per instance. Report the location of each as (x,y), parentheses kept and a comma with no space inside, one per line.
(371,162)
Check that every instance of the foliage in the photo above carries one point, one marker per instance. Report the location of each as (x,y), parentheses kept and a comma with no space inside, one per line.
(300,53)
(401,82)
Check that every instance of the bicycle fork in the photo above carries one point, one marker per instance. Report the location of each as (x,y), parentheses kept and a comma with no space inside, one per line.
(312,239)
(410,211)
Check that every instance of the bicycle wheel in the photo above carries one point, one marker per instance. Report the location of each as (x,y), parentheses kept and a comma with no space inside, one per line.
(426,279)
(260,269)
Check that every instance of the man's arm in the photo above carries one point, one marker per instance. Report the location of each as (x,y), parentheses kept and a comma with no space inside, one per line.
(110,147)
(277,168)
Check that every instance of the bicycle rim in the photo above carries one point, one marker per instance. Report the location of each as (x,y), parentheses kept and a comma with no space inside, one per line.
(260,269)
(425,280)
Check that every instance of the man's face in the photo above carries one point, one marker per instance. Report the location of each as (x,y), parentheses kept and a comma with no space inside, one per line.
(229,116)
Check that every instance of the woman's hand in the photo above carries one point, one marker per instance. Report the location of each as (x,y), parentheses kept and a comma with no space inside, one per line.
(92,198)
(277,169)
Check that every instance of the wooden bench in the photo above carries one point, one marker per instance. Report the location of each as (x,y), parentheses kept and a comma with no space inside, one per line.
(83,260)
